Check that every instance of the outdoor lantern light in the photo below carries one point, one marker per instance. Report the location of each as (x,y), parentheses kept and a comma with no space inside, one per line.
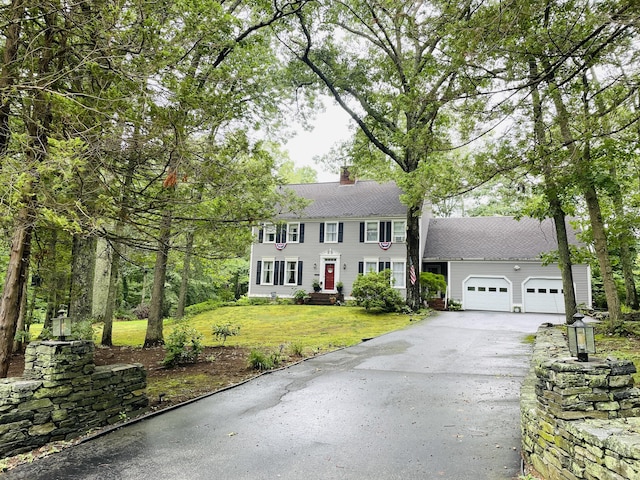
(344,266)
(581,338)
(61,327)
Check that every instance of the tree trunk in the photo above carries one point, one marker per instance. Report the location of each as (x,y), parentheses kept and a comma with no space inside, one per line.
(626,241)
(583,172)
(186,272)
(18,342)
(564,258)
(602,253)
(9,69)
(595,214)
(413,257)
(555,204)
(114,273)
(15,282)
(52,283)
(83,270)
(154,335)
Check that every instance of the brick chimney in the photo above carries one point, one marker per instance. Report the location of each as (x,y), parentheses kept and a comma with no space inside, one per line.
(345,176)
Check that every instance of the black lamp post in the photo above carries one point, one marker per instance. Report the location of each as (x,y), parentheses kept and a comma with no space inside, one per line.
(581,338)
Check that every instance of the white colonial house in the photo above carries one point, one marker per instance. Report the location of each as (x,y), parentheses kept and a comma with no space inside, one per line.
(348,228)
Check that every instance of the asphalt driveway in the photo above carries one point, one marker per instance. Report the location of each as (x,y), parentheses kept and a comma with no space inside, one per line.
(437,400)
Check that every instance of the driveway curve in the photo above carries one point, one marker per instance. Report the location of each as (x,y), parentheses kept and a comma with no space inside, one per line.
(436,400)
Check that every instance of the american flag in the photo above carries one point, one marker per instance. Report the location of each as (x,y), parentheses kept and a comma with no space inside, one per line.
(412,275)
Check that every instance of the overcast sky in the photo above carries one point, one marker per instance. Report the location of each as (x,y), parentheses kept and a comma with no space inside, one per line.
(331,126)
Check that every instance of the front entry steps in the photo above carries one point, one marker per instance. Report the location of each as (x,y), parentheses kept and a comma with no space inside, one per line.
(317,298)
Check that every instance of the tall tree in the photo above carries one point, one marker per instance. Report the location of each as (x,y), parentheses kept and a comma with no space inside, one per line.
(395,67)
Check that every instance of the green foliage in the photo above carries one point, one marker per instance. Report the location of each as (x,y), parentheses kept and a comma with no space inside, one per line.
(184,345)
(454,306)
(83,330)
(431,284)
(225,330)
(299,296)
(197,308)
(246,301)
(373,291)
(264,361)
(22,336)
(296,349)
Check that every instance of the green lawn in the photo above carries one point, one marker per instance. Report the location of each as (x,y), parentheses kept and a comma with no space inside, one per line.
(311,327)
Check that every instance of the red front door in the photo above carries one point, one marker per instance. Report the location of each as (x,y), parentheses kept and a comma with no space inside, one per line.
(329,276)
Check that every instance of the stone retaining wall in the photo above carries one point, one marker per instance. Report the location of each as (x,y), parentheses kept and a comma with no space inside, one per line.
(62,395)
(579,419)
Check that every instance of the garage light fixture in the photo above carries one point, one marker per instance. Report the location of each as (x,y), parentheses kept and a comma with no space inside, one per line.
(581,338)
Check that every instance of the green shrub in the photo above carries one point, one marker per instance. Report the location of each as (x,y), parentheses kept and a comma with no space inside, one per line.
(184,345)
(431,284)
(224,331)
(453,305)
(197,308)
(82,330)
(262,361)
(296,349)
(244,301)
(373,291)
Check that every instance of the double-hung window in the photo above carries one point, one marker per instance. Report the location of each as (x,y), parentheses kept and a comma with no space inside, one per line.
(371,231)
(398,274)
(331,232)
(267,271)
(399,231)
(269,234)
(291,272)
(370,265)
(293,232)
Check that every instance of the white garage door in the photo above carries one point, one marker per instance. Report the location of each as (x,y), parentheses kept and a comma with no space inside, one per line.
(543,295)
(482,293)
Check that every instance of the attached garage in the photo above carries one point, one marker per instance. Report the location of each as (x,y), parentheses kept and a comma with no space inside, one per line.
(543,295)
(487,293)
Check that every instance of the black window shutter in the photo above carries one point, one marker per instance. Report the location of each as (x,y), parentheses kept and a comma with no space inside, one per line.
(380,266)
(387,265)
(300,272)
(381,231)
(388,237)
(360,267)
(301,235)
(322,233)
(276,272)
(279,233)
(361,233)
(340,232)
(258,272)
(282,272)
(261,235)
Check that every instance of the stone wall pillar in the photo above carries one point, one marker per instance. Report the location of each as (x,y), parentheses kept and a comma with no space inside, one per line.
(572,390)
(62,395)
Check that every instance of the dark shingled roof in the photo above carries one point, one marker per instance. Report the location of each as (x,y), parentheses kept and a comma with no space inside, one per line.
(362,199)
(491,238)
